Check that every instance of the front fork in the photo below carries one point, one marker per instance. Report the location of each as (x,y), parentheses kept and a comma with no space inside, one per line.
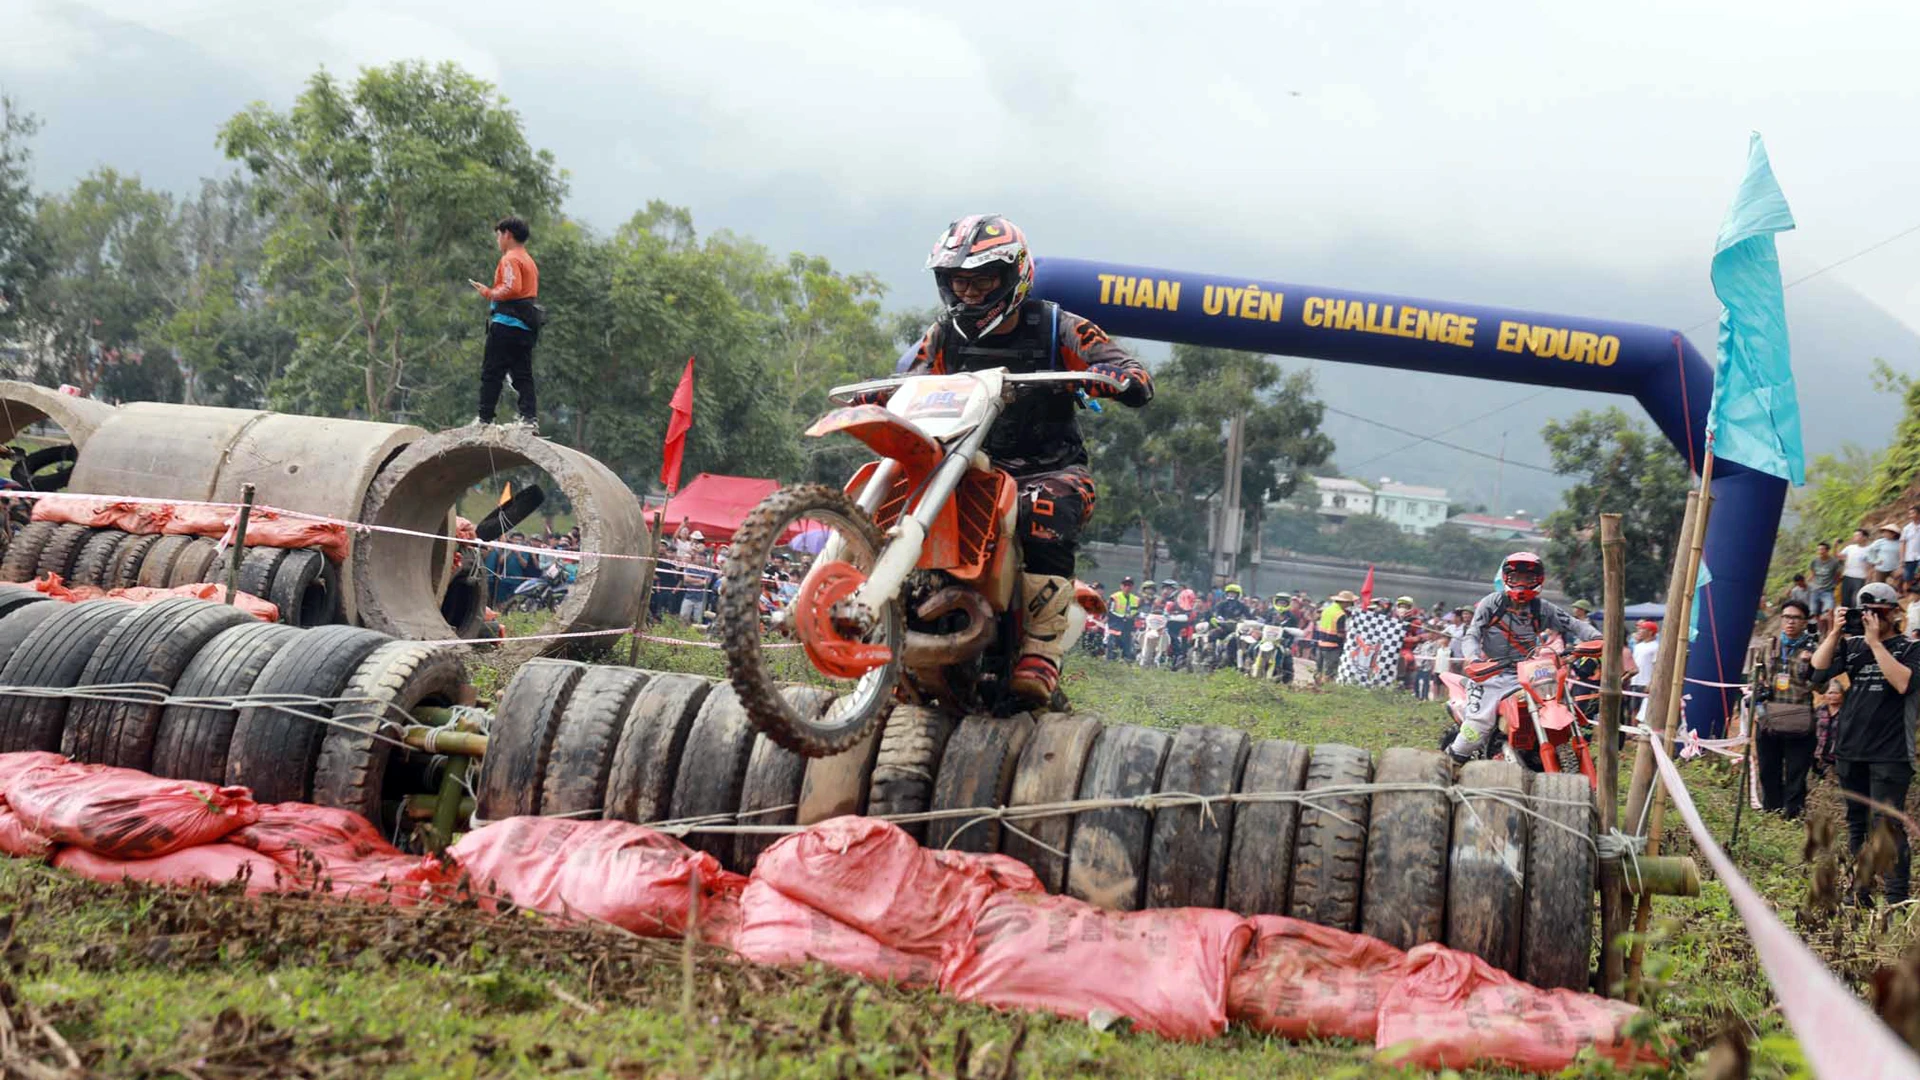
(908,536)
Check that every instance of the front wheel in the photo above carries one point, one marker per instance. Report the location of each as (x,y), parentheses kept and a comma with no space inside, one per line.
(860,706)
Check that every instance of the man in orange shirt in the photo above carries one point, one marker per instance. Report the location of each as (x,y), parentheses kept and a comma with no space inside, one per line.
(513,324)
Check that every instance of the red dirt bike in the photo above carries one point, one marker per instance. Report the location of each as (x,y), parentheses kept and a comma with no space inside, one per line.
(1539,713)
(912,595)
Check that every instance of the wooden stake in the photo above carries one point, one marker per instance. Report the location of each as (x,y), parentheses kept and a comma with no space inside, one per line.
(1613,898)
(1634,815)
(239,553)
(646,587)
(1676,690)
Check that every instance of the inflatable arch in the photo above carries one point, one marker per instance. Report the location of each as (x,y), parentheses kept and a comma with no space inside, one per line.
(1659,368)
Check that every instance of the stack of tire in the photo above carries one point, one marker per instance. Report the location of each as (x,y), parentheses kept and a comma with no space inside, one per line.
(342,692)
(1499,862)
(301,582)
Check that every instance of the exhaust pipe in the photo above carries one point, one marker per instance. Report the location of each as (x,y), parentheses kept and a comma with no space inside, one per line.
(923,650)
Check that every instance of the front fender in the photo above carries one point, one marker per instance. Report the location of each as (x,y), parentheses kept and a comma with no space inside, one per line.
(890,436)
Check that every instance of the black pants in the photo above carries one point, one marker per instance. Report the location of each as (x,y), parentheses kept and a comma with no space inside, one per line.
(1053,507)
(1783,761)
(509,356)
(1886,782)
(1329,662)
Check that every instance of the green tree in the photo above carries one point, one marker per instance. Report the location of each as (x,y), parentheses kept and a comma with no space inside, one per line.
(114,266)
(1159,468)
(1620,467)
(23,253)
(223,332)
(384,194)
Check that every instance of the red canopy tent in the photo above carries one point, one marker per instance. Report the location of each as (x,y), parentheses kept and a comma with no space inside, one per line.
(715,504)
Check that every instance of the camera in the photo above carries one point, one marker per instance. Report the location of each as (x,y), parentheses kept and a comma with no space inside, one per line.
(1853,625)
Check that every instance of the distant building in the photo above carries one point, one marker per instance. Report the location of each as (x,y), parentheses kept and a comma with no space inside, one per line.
(1341,498)
(1500,528)
(1414,509)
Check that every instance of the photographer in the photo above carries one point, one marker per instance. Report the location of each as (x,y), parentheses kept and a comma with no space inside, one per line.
(1873,740)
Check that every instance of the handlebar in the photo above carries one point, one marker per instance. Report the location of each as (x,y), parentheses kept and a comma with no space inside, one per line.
(842,394)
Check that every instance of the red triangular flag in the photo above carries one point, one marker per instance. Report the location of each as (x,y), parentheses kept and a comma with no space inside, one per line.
(1366,591)
(677,427)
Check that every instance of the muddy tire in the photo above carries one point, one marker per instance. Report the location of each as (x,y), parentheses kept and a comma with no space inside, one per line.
(53,655)
(903,775)
(855,713)
(1405,900)
(157,564)
(646,760)
(1049,771)
(155,646)
(191,741)
(95,561)
(1486,872)
(257,568)
(1187,856)
(197,563)
(1107,866)
(273,751)
(976,773)
(393,680)
(1556,937)
(521,739)
(62,552)
(22,561)
(835,786)
(713,769)
(12,599)
(299,589)
(1260,866)
(1329,861)
(126,565)
(575,784)
(771,793)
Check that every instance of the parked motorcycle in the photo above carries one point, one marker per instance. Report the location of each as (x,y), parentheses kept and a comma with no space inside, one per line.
(543,593)
(913,593)
(1537,725)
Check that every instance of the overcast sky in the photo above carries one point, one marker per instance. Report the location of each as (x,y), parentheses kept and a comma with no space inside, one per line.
(1565,156)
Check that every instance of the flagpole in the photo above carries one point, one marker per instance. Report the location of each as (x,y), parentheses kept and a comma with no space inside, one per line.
(1679,622)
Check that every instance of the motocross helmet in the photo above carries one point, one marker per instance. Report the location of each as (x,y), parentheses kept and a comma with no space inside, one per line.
(1523,574)
(1232,589)
(982,242)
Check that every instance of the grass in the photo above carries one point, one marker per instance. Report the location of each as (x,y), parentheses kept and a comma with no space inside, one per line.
(147,982)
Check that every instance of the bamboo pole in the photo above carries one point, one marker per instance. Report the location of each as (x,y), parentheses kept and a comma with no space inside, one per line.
(1634,819)
(646,586)
(239,553)
(1676,690)
(1613,898)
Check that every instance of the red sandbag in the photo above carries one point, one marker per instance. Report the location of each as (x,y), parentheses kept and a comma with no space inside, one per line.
(875,878)
(209,864)
(265,528)
(1303,981)
(1166,969)
(19,841)
(1453,1009)
(13,765)
(125,814)
(329,849)
(775,929)
(57,589)
(98,513)
(611,871)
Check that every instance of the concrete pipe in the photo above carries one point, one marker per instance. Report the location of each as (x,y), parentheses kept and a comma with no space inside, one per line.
(315,465)
(23,404)
(393,572)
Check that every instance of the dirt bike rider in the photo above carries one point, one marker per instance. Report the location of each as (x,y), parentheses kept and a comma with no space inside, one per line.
(1232,608)
(1507,625)
(984,273)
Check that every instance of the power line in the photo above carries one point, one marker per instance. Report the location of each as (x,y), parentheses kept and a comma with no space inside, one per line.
(1440,442)
(1868,250)
(1456,427)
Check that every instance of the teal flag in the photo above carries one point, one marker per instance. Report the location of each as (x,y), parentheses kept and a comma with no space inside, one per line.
(1699,598)
(1755,418)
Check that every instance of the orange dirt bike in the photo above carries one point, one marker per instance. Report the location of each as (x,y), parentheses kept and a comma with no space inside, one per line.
(912,594)
(1540,713)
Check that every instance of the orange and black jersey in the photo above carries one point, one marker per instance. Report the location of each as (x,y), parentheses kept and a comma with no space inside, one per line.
(1038,432)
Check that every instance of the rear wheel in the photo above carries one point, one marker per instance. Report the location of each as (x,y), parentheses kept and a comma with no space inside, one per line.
(858,710)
